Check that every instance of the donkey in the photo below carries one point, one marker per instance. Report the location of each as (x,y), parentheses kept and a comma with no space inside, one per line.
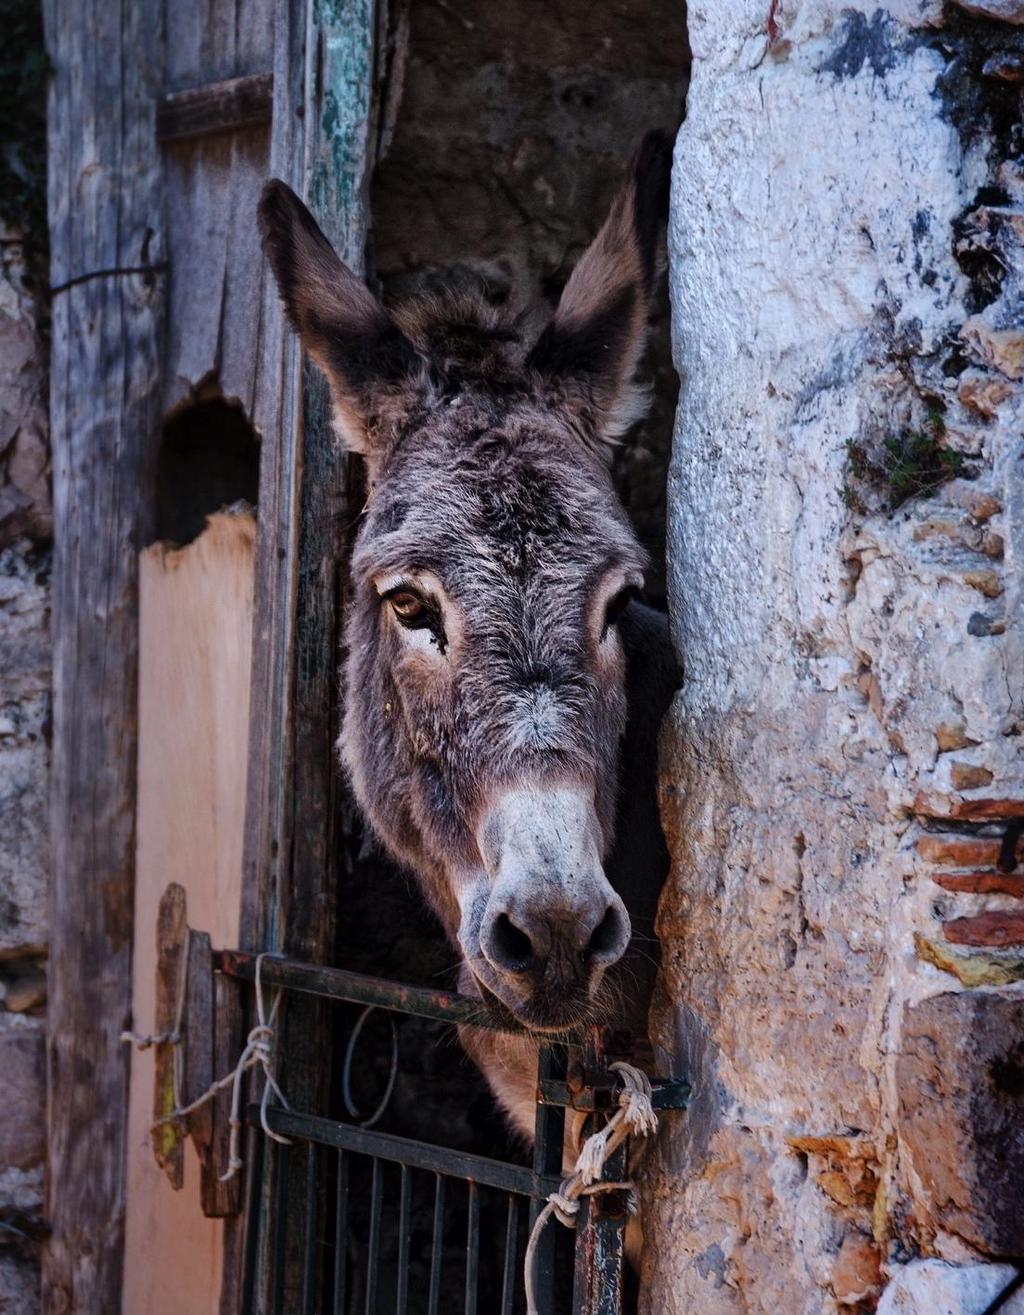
(503,685)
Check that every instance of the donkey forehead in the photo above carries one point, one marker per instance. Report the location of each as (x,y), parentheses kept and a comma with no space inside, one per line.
(474,512)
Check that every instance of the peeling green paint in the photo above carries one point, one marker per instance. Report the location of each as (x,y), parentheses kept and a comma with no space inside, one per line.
(340,162)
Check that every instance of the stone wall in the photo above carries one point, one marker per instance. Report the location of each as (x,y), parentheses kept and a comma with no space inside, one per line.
(843,933)
(25,529)
(24,783)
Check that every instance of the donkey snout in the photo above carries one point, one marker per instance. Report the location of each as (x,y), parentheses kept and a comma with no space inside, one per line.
(537,937)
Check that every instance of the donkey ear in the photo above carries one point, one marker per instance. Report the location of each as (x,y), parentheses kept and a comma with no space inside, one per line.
(342,326)
(592,346)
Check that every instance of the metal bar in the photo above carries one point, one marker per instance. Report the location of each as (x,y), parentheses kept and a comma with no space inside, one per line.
(667,1094)
(420,1155)
(547,1161)
(309,1276)
(341,1236)
(601,1222)
(253,1220)
(600,1233)
(404,1204)
(472,1248)
(280,1231)
(337,984)
(436,1247)
(373,1255)
(509,1273)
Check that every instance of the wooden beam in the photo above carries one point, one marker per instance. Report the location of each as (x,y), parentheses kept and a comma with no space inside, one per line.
(105,220)
(324,61)
(217,107)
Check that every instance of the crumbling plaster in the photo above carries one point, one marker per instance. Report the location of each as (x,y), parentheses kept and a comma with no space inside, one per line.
(853,673)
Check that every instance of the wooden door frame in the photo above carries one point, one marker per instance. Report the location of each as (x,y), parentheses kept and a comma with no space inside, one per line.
(323,144)
(108,267)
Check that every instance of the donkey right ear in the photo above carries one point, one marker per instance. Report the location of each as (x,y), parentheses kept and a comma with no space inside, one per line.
(342,326)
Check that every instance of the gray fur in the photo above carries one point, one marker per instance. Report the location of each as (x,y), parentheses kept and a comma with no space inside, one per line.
(504,679)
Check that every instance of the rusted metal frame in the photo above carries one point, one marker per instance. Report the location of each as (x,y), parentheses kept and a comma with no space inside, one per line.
(548,1143)
(601,1222)
(600,1238)
(405,1150)
(666,1094)
(358,988)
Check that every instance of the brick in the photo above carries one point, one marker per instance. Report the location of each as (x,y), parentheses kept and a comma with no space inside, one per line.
(959,851)
(960,1087)
(968,776)
(996,928)
(968,810)
(982,883)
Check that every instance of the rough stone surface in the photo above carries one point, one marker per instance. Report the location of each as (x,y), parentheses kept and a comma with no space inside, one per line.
(19,1286)
(842,651)
(24,434)
(960,1084)
(24,752)
(932,1287)
(25,663)
(23,1064)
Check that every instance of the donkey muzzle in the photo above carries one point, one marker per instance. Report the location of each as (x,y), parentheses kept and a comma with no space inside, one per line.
(551,924)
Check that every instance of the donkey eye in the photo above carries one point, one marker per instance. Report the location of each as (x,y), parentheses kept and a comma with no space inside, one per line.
(617,604)
(407,606)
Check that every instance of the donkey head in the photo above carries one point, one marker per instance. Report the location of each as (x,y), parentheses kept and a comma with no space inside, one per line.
(485,675)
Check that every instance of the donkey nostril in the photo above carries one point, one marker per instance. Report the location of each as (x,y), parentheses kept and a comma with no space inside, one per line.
(510,947)
(606,938)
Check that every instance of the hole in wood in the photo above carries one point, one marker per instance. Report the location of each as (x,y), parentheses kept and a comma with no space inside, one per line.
(209,459)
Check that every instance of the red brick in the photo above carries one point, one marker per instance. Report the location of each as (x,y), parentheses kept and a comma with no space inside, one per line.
(995,928)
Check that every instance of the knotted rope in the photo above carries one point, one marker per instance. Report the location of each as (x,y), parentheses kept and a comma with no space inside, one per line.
(258,1052)
(635,1116)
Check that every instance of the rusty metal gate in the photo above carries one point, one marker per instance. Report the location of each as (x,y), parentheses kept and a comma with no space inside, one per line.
(354,1178)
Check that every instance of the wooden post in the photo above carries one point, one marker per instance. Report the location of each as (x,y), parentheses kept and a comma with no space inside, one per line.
(108,312)
(324,62)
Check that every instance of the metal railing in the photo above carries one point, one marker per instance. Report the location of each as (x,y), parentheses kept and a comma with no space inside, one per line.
(394,1224)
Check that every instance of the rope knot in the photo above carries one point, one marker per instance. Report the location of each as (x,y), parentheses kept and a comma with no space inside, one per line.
(636,1115)
(258,1051)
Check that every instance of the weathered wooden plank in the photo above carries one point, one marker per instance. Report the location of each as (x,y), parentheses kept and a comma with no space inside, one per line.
(213,40)
(168,1139)
(105,214)
(195,644)
(211,190)
(326,65)
(197,1071)
(221,1199)
(218,107)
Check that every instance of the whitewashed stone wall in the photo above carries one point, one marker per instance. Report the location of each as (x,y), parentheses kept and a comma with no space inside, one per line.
(25,661)
(842,948)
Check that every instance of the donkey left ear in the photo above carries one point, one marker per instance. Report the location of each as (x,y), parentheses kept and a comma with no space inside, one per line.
(592,345)
(342,325)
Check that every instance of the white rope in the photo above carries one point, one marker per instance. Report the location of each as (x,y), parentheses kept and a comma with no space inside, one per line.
(635,1116)
(257,1053)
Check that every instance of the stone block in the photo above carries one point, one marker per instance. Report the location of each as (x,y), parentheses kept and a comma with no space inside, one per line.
(1008,11)
(23,1065)
(960,1084)
(933,1287)
(19,1286)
